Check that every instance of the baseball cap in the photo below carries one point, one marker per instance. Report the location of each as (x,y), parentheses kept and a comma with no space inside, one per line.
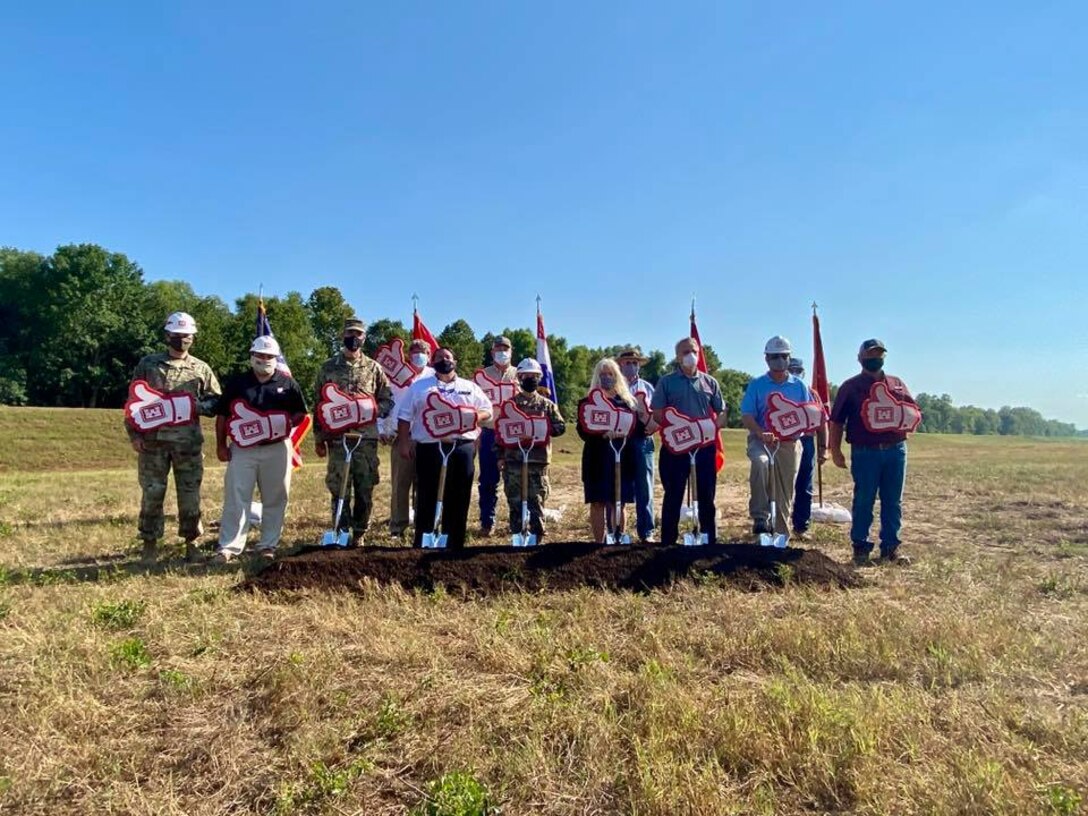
(872,343)
(354,324)
(502,341)
(796,362)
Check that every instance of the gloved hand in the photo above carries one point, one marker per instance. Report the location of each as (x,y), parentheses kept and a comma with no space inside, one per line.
(513,426)
(497,392)
(390,356)
(788,420)
(443,419)
(339,412)
(683,434)
(882,412)
(600,416)
(148,409)
(249,427)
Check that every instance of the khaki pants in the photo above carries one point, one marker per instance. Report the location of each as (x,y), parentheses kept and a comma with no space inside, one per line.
(266,466)
(402,475)
(786,463)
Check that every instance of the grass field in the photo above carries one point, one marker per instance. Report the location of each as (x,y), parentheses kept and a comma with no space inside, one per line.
(958,685)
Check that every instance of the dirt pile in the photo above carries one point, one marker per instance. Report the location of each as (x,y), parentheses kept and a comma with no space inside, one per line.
(559,566)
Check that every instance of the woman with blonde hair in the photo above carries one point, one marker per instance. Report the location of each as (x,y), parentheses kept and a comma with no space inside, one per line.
(608,396)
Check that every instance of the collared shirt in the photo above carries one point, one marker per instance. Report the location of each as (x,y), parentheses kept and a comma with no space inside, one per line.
(696,396)
(278,393)
(754,403)
(457,391)
(848,404)
(640,386)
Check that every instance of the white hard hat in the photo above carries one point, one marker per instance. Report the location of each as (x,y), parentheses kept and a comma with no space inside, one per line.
(529,366)
(180,323)
(265,344)
(777,345)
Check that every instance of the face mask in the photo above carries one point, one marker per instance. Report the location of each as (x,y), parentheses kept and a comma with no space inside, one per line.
(608,382)
(630,370)
(777,364)
(444,366)
(179,342)
(353,342)
(798,372)
(873,364)
(690,359)
(419,360)
(530,384)
(260,366)
(501,357)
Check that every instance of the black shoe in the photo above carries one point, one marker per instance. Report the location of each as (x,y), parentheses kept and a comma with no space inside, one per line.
(862,559)
(895,558)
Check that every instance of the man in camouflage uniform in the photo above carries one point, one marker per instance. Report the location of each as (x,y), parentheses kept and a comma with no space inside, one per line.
(355,374)
(530,402)
(173,372)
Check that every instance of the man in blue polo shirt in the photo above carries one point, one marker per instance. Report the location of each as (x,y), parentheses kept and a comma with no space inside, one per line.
(756,408)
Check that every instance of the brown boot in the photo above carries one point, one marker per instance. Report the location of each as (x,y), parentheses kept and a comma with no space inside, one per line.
(151,551)
(193,554)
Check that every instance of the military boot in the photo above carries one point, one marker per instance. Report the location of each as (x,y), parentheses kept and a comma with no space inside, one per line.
(192,553)
(150,552)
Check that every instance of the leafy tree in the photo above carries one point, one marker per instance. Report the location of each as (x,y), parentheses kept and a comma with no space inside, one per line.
(381,332)
(328,311)
(733,383)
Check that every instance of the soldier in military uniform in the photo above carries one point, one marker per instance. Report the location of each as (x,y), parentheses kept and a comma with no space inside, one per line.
(531,403)
(355,374)
(177,379)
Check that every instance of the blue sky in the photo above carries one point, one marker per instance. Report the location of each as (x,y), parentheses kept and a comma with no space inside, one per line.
(917,169)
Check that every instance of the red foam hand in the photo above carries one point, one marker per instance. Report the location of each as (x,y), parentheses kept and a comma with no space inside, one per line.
(498,392)
(643,406)
(683,434)
(148,409)
(882,412)
(788,420)
(600,416)
(390,356)
(513,426)
(339,412)
(443,419)
(248,426)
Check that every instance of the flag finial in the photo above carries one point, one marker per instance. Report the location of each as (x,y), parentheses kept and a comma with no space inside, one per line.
(538,304)
(814,307)
(415,303)
(693,306)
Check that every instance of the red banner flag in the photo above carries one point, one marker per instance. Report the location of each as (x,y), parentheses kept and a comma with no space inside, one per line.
(819,368)
(719,450)
(421,332)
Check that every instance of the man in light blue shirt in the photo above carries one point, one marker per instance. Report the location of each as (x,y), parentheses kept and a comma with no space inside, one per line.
(630,361)
(756,408)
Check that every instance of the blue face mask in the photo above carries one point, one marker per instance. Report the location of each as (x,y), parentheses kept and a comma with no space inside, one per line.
(873,364)
(608,382)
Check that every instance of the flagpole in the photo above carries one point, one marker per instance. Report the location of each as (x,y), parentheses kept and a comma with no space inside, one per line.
(819,464)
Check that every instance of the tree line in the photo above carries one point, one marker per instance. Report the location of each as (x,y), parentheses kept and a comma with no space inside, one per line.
(73,325)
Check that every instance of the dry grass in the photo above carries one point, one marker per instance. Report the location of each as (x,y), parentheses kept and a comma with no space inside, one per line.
(959,685)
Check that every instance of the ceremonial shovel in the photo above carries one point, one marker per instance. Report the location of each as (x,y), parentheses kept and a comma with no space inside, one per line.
(695,537)
(616,534)
(524,538)
(772,539)
(337,537)
(436,539)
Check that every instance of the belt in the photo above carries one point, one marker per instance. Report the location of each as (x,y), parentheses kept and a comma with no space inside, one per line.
(880,446)
(459,440)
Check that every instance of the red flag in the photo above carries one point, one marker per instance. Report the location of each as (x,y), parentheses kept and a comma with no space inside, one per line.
(421,332)
(719,450)
(819,368)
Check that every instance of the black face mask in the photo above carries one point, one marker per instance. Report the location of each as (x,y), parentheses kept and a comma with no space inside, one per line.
(179,342)
(873,364)
(353,342)
(444,366)
(530,384)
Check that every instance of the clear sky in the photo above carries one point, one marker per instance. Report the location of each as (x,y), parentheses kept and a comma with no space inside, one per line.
(919,168)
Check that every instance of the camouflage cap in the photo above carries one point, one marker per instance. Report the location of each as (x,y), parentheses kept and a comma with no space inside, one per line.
(355,324)
(502,341)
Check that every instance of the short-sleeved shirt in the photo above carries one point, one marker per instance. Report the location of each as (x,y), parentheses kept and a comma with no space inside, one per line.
(457,391)
(754,403)
(696,396)
(847,409)
(278,393)
(387,426)
(171,375)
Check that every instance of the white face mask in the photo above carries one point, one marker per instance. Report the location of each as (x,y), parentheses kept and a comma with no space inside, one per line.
(501,357)
(690,359)
(264,367)
(419,360)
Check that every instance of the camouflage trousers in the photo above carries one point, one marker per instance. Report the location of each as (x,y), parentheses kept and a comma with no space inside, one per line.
(154,467)
(539,488)
(364,475)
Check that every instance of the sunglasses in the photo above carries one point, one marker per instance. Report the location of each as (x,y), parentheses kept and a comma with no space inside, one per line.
(778,356)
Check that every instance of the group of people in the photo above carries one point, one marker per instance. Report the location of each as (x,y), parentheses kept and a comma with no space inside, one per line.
(437,424)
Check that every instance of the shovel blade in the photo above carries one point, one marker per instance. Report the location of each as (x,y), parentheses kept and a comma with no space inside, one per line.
(518,540)
(332,538)
(780,541)
(690,540)
(766,540)
(434,542)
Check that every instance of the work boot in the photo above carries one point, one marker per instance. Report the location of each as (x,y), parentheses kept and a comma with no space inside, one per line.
(761,528)
(862,559)
(894,558)
(150,552)
(192,553)
(357,541)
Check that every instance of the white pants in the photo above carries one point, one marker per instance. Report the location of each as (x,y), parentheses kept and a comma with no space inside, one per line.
(266,466)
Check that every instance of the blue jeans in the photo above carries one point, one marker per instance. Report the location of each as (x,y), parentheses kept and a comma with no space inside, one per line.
(878,472)
(802,488)
(644,489)
(489,478)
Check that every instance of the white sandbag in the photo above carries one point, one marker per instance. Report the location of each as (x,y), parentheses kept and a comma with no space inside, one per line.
(830,513)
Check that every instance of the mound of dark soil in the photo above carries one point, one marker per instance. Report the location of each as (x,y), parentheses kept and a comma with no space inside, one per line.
(559,566)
